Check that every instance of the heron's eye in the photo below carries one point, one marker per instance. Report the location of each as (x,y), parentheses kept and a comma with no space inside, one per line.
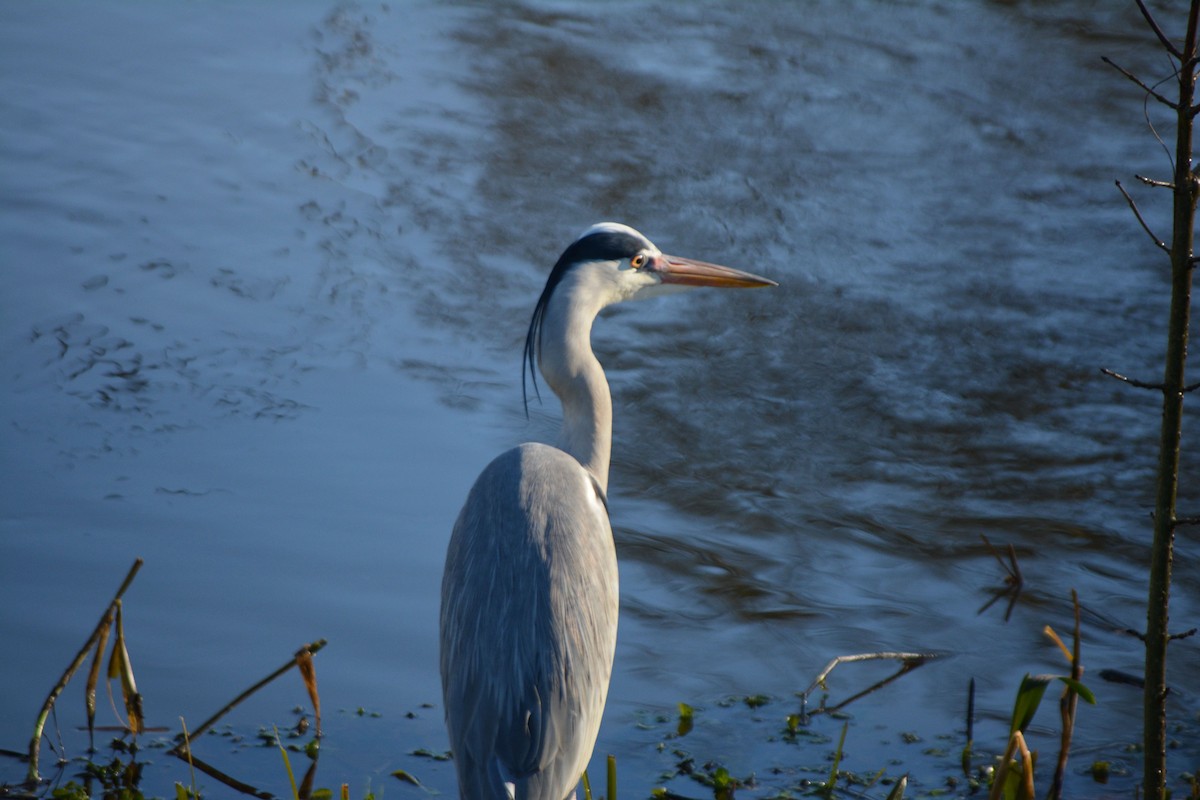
(638,261)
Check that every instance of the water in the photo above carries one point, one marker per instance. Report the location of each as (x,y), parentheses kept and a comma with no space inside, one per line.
(266,276)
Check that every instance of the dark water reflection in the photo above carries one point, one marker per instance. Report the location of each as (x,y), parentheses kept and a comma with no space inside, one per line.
(326,271)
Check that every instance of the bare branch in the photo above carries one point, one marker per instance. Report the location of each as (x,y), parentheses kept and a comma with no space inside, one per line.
(1158,387)
(1162,37)
(1014,582)
(1133,207)
(1012,568)
(183,744)
(908,660)
(1187,521)
(1153,182)
(1184,635)
(1136,634)
(1138,81)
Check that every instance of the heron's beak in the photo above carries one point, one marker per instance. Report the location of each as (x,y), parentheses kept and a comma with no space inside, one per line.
(687,272)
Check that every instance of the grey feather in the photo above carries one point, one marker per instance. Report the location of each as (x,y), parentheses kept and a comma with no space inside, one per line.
(526,664)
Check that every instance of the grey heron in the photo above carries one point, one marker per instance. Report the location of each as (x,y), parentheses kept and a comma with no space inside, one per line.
(528,620)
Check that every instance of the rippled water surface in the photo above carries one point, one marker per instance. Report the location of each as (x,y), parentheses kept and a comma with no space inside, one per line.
(265,276)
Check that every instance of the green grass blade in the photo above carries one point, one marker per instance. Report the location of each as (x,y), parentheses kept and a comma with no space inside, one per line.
(837,759)
(1029,697)
(287,763)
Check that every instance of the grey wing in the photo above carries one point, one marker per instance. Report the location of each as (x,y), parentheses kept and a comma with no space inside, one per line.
(528,625)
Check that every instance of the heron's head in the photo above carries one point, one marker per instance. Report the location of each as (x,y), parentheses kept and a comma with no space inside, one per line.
(610,263)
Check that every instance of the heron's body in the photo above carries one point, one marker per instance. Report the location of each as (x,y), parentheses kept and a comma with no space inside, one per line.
(548,555)
(529,596)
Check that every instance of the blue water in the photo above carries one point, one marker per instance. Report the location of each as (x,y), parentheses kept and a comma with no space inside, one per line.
(265,277)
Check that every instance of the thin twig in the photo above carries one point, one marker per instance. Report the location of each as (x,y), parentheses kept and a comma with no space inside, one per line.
(1018,578)
(36,740)
(1014,580)
(231,782)
(1012,567)
(970,722)
(1162,37)
(182,747)
(904,667)
(1026,766)
(1185,635)
(1155,182)
(1133,207)
(1012,592)
(1067,706)
(1138,81)
(909,661)
(1158,387)
(1187,521)
(996,555)
(999,777)
(916,658)
(1134,633)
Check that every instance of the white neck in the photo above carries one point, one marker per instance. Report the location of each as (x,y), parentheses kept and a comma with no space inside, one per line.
(572,371)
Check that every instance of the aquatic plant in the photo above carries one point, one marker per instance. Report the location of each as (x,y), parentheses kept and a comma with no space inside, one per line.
(120,776)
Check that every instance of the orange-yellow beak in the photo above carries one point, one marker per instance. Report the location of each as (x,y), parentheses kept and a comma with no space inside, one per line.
(689,272)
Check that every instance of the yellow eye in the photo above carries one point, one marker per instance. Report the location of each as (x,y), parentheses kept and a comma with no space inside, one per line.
(638,261)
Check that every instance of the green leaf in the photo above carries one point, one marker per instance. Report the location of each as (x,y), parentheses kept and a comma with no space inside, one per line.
(1079,689)
(1029,697)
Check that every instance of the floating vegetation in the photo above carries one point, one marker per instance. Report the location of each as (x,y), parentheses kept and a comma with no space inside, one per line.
(120,775)
(793,753)
(423,752)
